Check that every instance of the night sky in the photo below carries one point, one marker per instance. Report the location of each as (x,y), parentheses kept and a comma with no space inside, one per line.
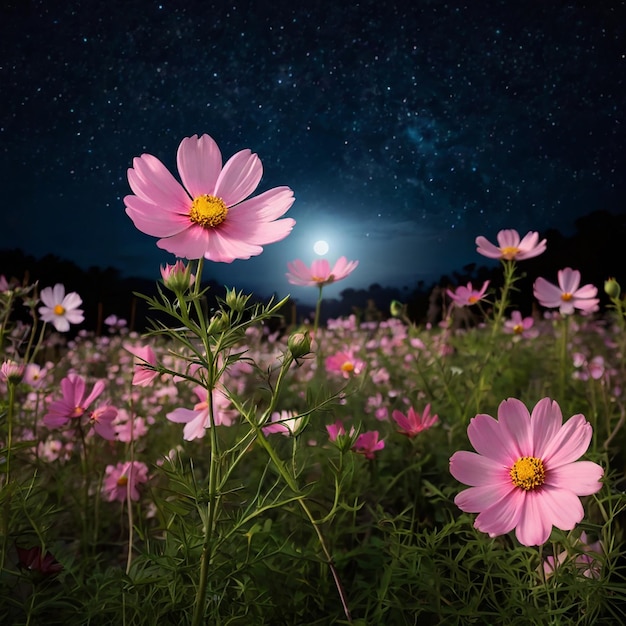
(405,129)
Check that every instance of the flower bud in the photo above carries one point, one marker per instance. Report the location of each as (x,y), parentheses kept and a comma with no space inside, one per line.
(299,344)
(236,301)
(396,308)
(11,372)
(177,277)
(612,288)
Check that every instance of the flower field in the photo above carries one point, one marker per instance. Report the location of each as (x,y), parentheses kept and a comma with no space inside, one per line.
(215,471)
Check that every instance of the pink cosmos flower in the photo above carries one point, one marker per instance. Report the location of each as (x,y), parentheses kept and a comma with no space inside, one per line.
(144,375)
(344,363)
(336,429)
(209,216)
(510,247)
(74,404)
(198,420)
(60,309)
(524,475)
(520,326)
(587,562)
(568,295)
(35,375)
(466,296)
(320,272)
(118,479)
(367,443)
(102,419)
(413,423)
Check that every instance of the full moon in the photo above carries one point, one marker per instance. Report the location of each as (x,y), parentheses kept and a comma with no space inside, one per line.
(320,247)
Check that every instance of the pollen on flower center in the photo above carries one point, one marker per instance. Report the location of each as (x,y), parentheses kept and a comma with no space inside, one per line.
(566,297)
(518,329)
(347,367)
(208,211)
(528,473)
(59,309)
(472,299)
(122,481)
(509,252)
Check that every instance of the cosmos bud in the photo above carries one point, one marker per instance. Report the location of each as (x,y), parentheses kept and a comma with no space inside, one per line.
(236,301)
(396,308)
(299,344)
(612,288)
(177,277)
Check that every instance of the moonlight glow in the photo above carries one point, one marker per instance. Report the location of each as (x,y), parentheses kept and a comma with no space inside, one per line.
(320,247)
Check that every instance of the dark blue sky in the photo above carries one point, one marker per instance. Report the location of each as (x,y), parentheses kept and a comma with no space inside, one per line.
(405,131)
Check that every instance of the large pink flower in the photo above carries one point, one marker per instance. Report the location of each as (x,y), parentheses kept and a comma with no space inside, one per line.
(568,295)
(524,474)
(209,217)
(320,272)
(510,247)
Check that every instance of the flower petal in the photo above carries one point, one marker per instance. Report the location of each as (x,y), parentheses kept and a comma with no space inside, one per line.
(477,499)
(199,164)
(239,178)
(534,526)
(473,469)
(581,478)
(569,444)
(546,421)
(490,439)
(503,516)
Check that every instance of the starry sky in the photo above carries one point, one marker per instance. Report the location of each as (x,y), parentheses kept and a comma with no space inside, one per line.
(405,129)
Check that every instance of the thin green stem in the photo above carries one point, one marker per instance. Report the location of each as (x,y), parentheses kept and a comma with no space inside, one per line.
(7,504)
(291,482)
(209,523)
(318,308)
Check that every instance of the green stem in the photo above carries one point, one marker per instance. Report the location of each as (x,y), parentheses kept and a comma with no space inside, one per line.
(318,308)
(7,505)
(503,303)
(564,365)
(291,482)
(207,548)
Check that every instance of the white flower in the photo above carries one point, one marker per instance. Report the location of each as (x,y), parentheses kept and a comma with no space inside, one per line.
(60,310)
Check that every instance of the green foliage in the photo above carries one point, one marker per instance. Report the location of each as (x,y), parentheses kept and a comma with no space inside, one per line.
(244,526)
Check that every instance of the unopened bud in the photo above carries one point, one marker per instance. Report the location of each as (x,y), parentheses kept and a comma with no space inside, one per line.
(236,301)
(396,308)
(612,288)
(177,277)
(299,344)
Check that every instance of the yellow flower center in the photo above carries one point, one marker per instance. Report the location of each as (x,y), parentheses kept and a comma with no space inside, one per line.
(208,211)
(122,481)
(518,329)
(566,297)
(509,252)
(528,473)
(59,309)
(348,366)
(472,299)
(319,279)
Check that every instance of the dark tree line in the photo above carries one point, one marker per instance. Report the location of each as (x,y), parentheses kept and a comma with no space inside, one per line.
(596,249)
